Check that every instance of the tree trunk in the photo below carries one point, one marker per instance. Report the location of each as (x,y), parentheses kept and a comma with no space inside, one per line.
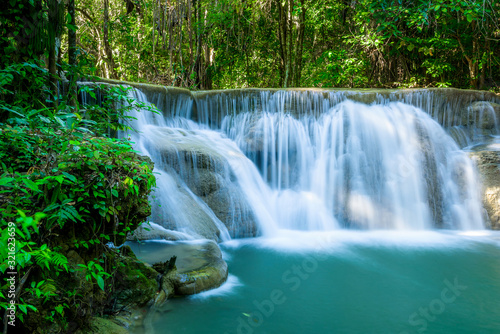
(198,58)
(300,44)
(107,48)
(282,37)
(471,62)
(54,31)
(72,90)
(53,71)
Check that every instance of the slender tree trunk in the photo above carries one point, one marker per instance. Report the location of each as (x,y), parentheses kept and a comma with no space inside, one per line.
(471,62)
(53,70)
(54,28)
(190,29)
(282,37)
(289,41)
(107,47)
(300,44)
(171,42)
(199,39)
(207,82)
(484,66)
(72,89)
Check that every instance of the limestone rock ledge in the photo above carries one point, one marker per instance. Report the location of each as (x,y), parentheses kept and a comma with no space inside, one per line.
(488,163)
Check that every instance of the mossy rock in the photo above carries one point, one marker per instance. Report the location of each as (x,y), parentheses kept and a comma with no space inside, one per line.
(100,326)
(135,282)
(199,263)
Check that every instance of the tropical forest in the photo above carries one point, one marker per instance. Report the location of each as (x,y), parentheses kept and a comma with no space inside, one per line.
(249,166)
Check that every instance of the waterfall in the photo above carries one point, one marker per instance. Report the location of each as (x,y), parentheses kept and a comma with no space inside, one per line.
(379,166)
(240,164)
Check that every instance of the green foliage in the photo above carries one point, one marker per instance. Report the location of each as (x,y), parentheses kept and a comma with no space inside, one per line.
(63,184)
(374,43)
(55,183)
(59,182)
(22,89)
(96,271)
(107,109)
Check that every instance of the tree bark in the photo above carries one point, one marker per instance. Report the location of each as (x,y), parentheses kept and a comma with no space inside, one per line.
(54,30)
(300,44)
(107,47)
(282,37)
(199,40)
(72,90)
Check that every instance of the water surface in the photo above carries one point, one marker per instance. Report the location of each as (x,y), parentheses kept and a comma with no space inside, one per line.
(348,282)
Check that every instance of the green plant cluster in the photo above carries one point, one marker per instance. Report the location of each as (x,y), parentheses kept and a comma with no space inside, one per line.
(66,190)
(69,190)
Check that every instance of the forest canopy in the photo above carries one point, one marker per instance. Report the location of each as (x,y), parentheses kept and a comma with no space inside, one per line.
(202,44)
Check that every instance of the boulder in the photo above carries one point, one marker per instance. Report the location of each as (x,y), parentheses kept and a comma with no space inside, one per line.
(100,325)
(182,211)
(488,163)
(229,205)
(199,265)
(201,170)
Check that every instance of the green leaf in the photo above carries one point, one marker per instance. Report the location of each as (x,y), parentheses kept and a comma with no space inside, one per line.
(100,282)
(5,181)
(59,309)
(69,176)
(30,184)
(60,121)
(23,308)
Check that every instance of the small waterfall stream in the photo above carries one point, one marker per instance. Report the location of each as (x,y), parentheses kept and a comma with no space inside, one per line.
(243,165)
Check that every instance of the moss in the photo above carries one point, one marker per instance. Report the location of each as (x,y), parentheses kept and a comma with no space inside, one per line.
(135,282)
(100,325)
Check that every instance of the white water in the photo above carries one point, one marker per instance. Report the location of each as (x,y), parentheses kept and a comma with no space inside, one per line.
(343,164)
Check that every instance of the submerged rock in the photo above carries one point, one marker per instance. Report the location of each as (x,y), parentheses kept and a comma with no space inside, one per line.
(488,163)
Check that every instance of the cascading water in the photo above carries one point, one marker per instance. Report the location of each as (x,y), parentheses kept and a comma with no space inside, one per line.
(303,160)
(362,166)
(190,158)
(308,170)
